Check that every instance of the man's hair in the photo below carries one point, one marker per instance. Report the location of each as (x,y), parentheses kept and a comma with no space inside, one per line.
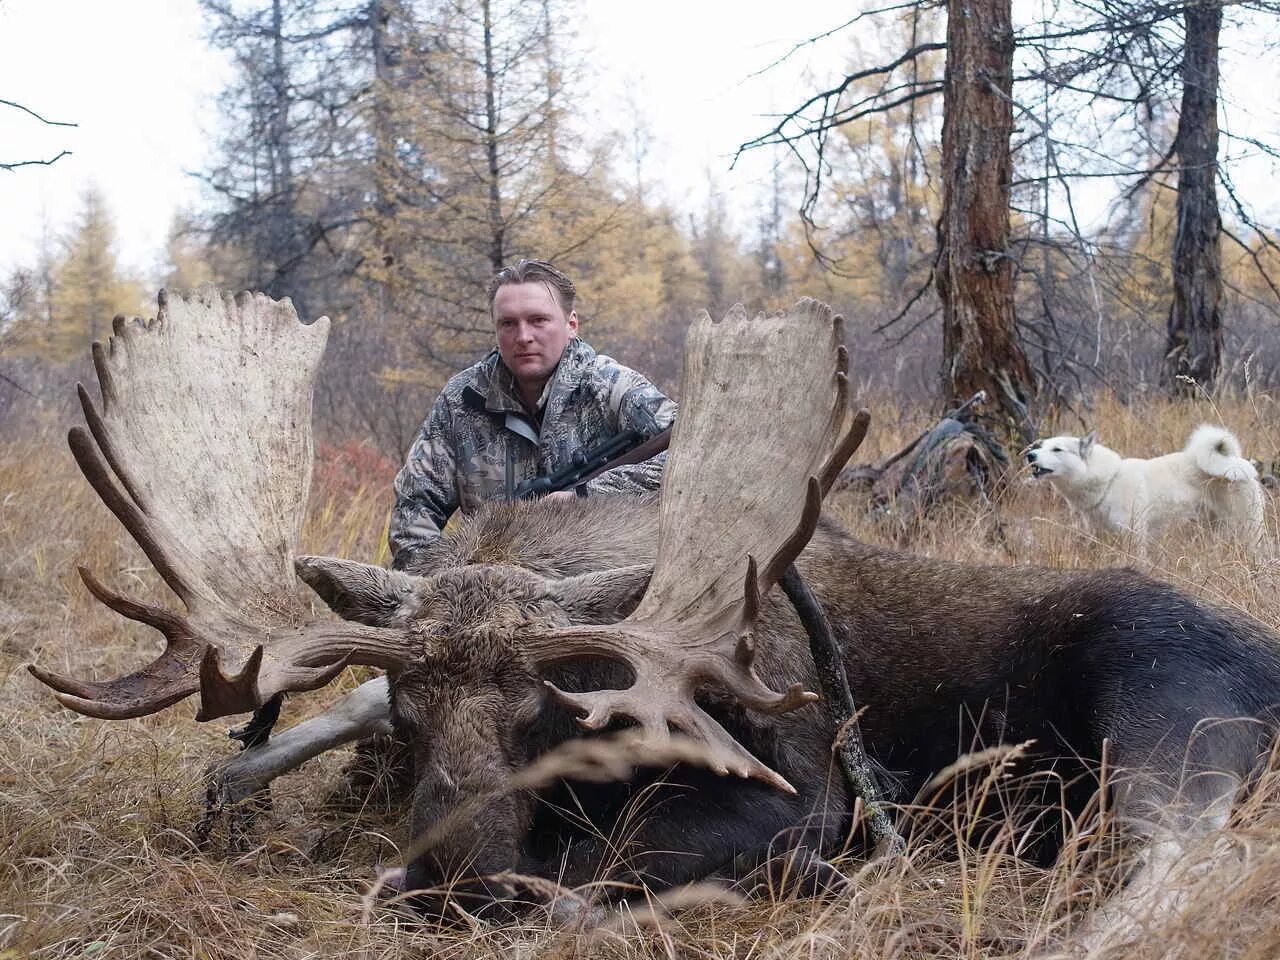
(535,271)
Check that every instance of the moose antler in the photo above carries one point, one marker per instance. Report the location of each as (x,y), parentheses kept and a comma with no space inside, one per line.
(203,451)
(734,515)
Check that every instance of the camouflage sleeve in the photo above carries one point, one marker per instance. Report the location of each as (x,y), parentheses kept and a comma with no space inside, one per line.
(426,489)
(644,408)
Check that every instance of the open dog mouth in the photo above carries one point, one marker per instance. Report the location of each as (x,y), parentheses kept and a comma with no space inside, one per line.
(1038,471)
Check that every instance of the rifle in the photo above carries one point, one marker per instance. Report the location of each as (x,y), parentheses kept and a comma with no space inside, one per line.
(630,446)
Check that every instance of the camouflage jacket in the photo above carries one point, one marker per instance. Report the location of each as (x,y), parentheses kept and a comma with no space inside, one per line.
(479,441)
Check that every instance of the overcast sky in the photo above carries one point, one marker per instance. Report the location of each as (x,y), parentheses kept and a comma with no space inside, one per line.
(138,79)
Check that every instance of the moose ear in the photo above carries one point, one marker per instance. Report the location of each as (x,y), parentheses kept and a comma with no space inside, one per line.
(360,591)
(605,596)
(1086,444)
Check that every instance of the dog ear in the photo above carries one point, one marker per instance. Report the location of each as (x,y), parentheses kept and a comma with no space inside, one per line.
(1086,444)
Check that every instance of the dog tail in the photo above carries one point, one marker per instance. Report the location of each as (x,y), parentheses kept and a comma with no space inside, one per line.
(1217,452)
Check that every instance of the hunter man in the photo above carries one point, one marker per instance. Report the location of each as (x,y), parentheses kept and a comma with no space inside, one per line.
(521,412)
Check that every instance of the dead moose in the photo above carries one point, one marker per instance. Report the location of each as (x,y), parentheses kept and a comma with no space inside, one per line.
(532,621)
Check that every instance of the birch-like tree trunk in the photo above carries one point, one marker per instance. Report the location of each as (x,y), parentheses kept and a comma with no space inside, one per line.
(497,222)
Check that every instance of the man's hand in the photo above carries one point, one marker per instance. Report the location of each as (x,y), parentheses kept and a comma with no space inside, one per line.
(562,495)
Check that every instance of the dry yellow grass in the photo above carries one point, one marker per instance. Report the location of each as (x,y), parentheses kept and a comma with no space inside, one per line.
(96,817)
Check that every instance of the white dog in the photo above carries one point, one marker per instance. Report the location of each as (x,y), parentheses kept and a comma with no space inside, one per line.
(1207,482)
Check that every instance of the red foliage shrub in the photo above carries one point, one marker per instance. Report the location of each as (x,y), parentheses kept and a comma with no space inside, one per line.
(345,469)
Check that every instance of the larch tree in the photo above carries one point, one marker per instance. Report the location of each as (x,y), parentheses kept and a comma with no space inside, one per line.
(973,271)
(293,172)
(870,236)
(1093,91)
(1193,348)
(715,251)
(488,166)
(981,350)
(83,288)
(1135,85)
(770,263)
(189,259)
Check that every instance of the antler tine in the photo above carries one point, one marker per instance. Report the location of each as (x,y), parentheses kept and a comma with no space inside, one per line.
(799,539)
(169,677)
(658,716)
(101,435)
(189,666)
(849,444)
(162,682)
(106,381)
(108,709)
(305,659)
(726,754)
(127,511)
(165,621)
(224,693)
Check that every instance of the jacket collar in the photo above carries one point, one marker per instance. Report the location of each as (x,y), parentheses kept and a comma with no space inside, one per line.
(501,393)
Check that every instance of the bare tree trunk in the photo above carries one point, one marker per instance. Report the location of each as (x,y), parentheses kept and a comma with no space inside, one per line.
(379,16)
(280,151)
(975,272)
(1193,347)
(497,226)
(552,69)
(773,273)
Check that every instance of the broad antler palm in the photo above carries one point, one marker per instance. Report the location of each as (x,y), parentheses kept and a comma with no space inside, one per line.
(203,451)
(764,428)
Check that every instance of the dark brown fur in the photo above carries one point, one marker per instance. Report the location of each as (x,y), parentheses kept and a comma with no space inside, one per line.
(943,657)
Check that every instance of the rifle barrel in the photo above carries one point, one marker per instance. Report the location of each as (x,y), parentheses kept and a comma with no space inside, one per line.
(617,451)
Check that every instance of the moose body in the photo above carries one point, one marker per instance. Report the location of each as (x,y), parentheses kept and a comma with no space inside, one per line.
(942,657)
(531,620)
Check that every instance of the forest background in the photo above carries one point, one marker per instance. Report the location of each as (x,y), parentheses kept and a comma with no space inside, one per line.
(377,160)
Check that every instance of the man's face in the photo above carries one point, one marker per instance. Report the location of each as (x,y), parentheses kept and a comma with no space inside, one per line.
(532,332)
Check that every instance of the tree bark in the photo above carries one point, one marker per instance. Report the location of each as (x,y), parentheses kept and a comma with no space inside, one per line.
(1193,345)
(384,171)
(981,350)
(497,224)
(281,231)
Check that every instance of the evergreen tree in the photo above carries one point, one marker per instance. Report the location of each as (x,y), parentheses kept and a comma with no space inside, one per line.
(86,288)
(294,171)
